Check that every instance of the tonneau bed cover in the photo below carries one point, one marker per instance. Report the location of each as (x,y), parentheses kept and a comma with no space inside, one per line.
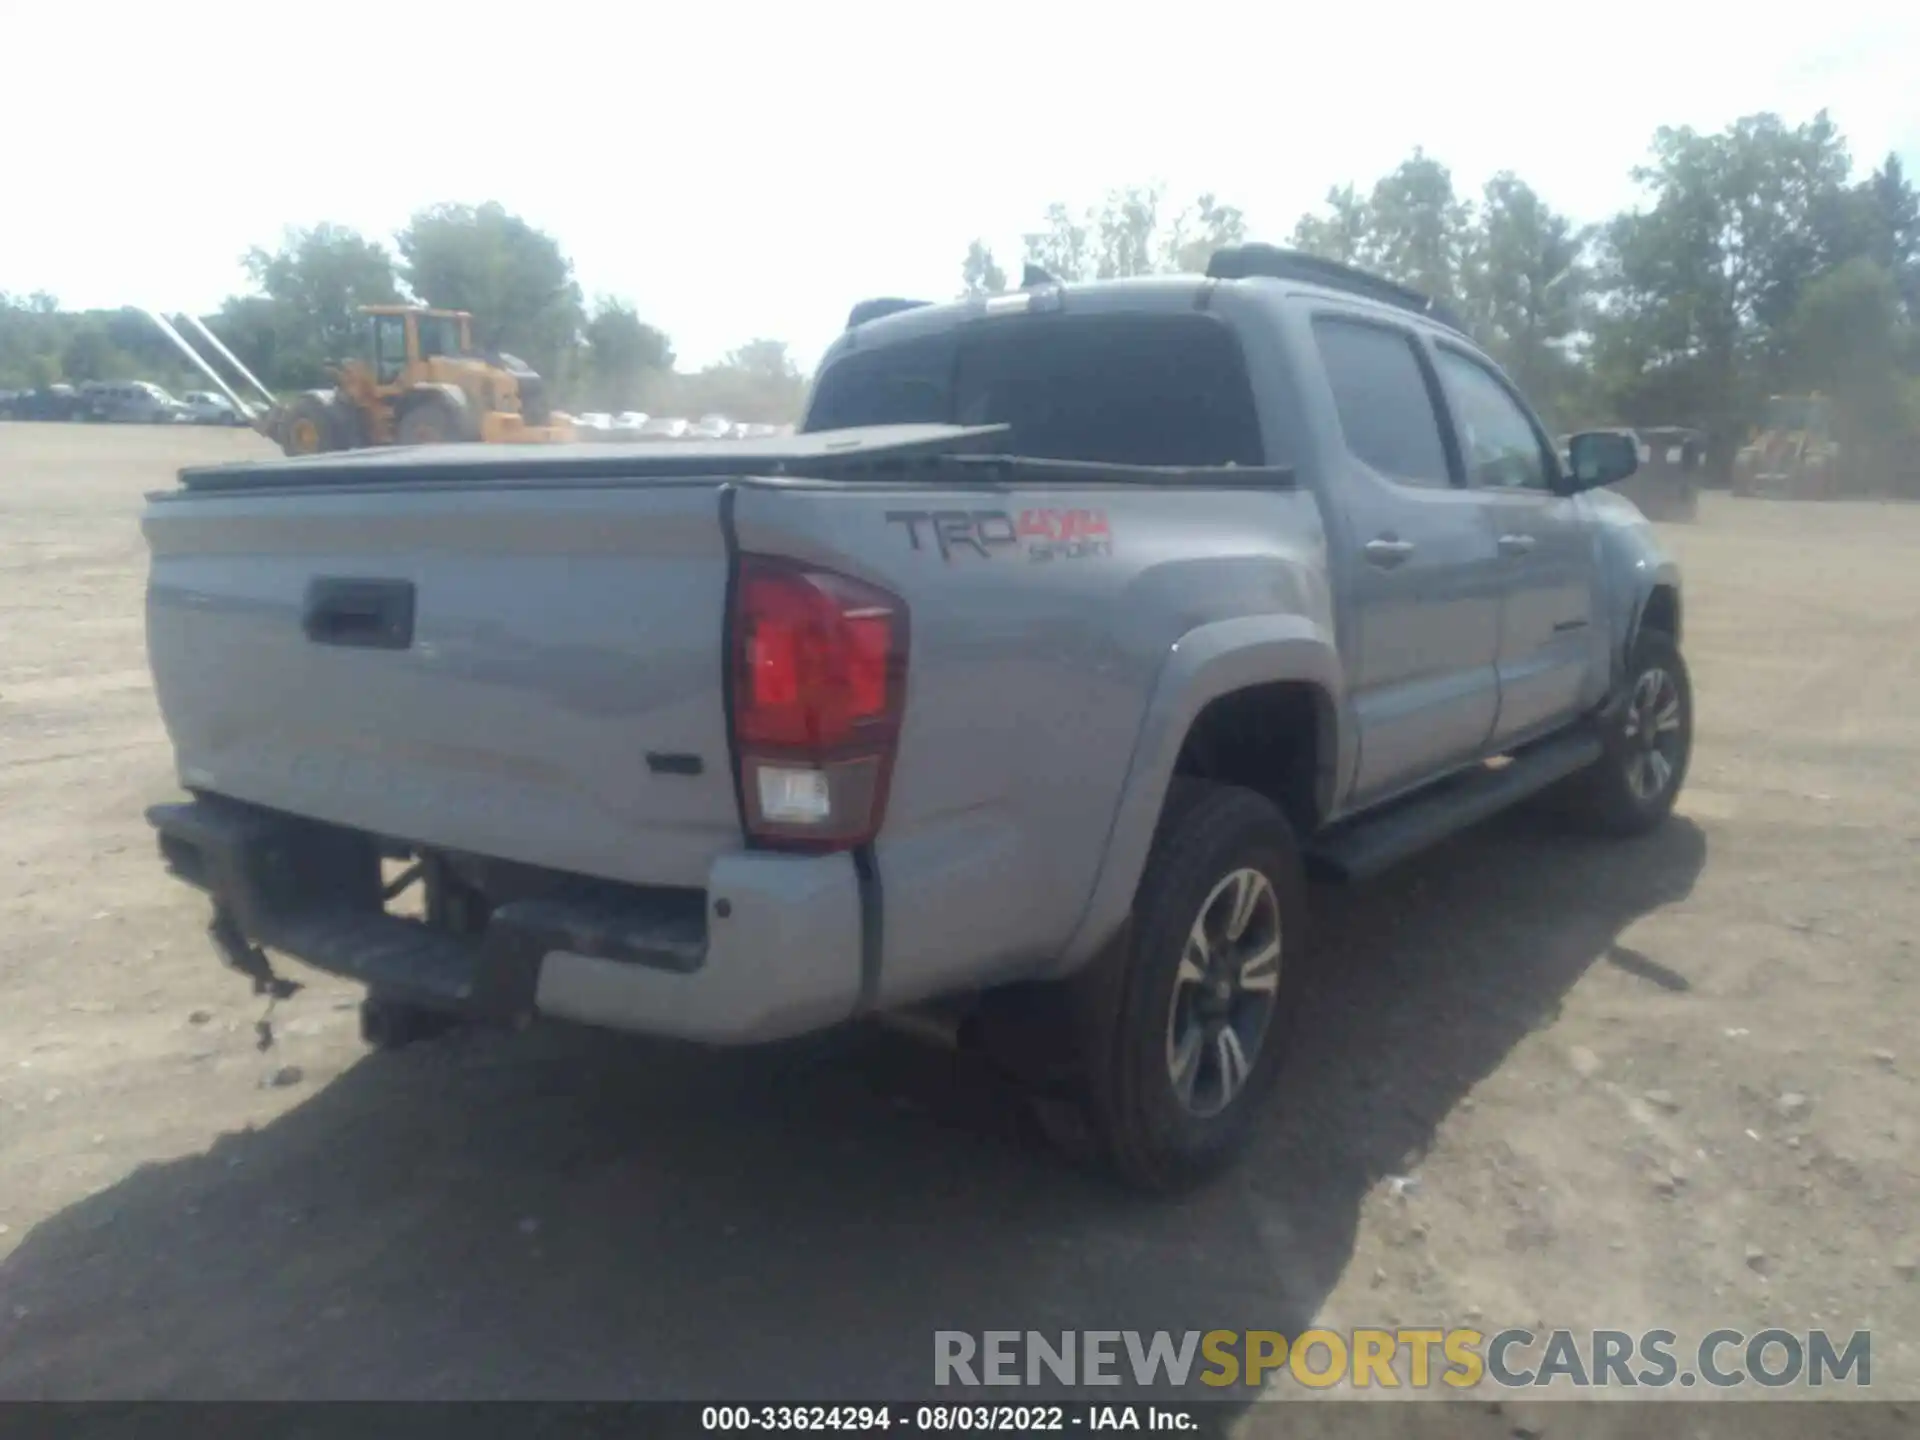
(948,454)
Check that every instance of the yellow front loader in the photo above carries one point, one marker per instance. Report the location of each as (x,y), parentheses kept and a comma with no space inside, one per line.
(419,381)
(1793,454)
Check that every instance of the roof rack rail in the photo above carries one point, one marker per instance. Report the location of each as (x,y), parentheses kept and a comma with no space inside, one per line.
(1242,262)
(875,309)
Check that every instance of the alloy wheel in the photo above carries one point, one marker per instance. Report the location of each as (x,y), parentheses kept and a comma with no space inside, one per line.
(1653,733)
(1224,993)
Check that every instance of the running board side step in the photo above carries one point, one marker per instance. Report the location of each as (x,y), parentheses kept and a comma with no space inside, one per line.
(1362,848)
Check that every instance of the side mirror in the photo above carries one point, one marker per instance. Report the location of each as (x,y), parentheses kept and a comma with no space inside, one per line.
(1599,457)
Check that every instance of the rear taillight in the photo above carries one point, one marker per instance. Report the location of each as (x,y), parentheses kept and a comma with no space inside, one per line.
(819,682)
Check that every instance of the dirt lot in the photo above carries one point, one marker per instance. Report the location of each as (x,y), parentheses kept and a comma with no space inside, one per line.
(1669,1083)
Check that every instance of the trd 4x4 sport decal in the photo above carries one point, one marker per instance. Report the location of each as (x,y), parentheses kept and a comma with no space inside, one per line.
(1039,534)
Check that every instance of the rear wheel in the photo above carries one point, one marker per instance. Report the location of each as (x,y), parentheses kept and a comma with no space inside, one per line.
(1177,1069)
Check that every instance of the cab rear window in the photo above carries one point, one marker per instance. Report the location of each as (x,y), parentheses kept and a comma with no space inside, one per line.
(1121,389)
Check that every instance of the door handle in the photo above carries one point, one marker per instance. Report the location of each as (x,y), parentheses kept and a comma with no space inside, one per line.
(366,614)
(1387,552)
(1516,544)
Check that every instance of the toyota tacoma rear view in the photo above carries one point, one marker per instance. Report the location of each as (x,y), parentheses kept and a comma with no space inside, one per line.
(1030,680)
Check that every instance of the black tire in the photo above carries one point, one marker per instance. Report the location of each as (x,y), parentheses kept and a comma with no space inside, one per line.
(389,1024)
(311,426)
(1158,1135)
(430,420)
(1612,796)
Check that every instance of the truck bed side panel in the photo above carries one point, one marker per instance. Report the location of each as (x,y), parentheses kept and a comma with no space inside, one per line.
(1027,684)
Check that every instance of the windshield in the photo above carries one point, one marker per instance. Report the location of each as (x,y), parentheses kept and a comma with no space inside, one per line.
(1124,389)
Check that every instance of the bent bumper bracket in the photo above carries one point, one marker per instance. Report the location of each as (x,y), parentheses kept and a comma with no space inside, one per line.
(249,959)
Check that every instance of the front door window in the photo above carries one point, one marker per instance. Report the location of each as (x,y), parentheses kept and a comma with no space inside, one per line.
(1502,449)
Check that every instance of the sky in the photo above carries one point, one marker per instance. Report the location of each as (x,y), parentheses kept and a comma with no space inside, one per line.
(741,171)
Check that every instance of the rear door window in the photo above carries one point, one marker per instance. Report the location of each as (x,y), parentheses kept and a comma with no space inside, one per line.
(906,384)
(1386,409)
(1121,389)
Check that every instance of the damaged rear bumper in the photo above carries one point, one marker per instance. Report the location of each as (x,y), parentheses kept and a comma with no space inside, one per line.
(772,947)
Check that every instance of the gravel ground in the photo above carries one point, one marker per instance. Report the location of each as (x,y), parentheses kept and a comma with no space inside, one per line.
(1548,1081)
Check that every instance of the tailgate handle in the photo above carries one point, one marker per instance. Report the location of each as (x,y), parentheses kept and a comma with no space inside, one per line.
(371,614)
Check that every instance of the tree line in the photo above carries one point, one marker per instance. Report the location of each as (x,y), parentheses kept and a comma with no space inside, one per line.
(302,313)
(1755,263)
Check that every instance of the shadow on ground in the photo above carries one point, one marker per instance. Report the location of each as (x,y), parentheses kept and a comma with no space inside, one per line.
(567,1214)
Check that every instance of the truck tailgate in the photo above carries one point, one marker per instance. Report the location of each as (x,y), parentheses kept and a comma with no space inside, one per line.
(529,672)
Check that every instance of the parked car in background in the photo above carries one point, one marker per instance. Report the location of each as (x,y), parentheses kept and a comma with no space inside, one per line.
(712,427)
(630,424)
(207,407)
(49,402)
(664,427)
(594,423)
(129,402)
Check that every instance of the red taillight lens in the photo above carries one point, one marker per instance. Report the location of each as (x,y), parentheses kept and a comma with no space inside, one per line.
(819,684)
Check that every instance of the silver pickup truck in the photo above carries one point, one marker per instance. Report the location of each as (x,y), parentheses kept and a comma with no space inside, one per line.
(1032,679)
